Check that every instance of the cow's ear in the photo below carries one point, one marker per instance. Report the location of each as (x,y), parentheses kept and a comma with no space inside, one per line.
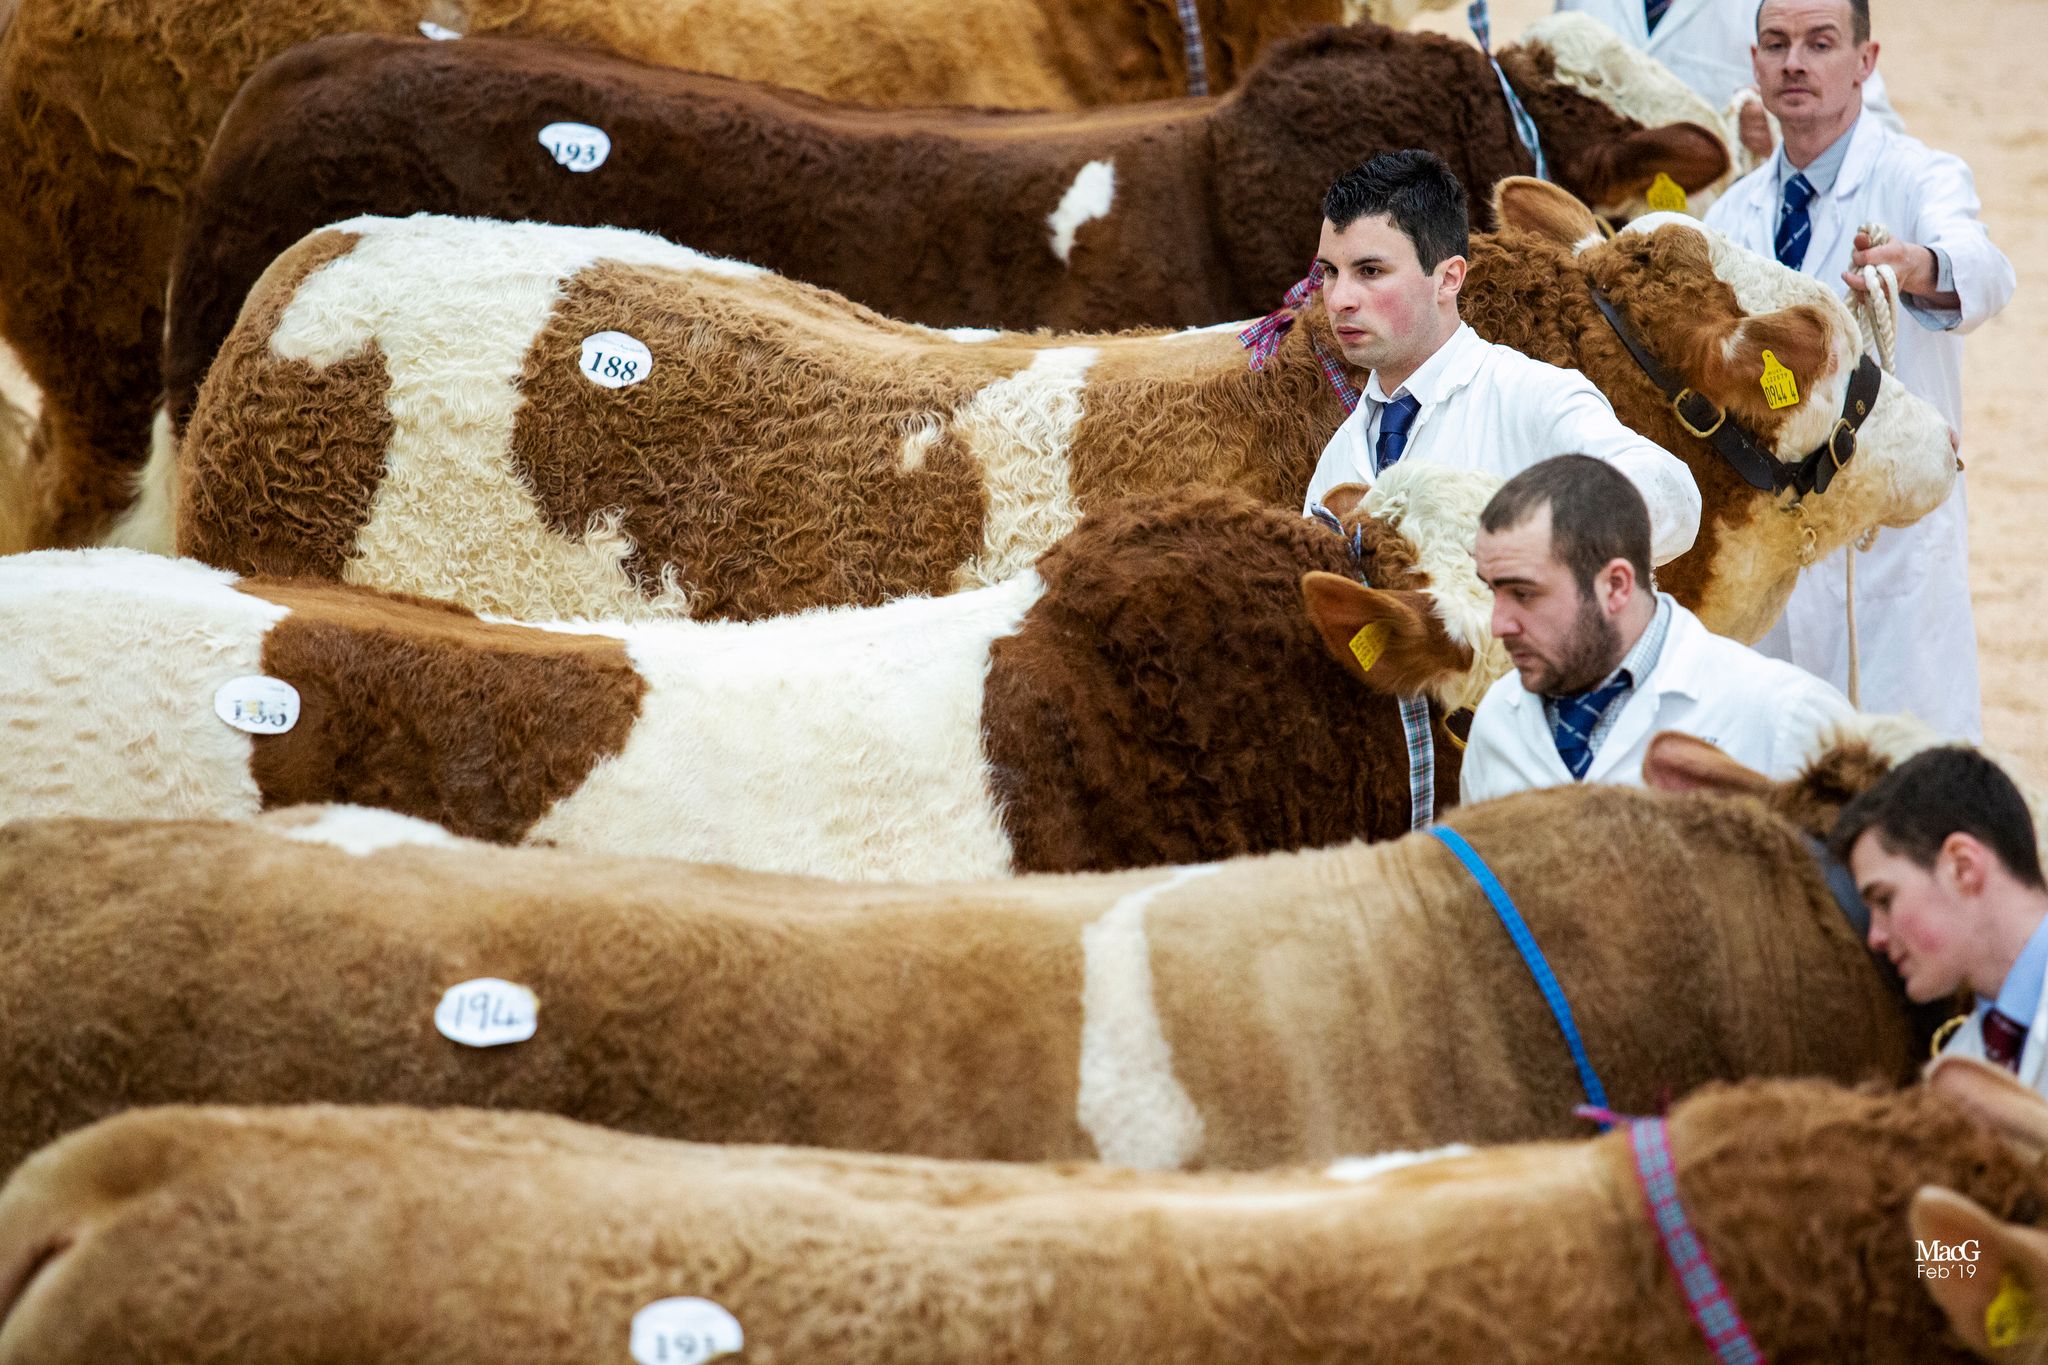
(1997,1299)
(1343,500)
(1677,762)
(1542,208)
(1995,1098)
(1389,639)
(1614,172)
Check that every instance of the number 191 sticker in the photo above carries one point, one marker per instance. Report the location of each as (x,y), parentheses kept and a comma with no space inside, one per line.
(258,705)
(684,1332)
(487,1012)
(615,360)
(578,146)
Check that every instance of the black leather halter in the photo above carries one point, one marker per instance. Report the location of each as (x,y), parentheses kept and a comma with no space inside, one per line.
(1758,467)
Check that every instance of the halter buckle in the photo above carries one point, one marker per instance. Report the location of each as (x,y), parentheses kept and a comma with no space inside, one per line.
(1678,405)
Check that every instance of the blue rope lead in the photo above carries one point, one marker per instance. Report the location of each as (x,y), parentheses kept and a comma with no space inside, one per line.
(1532,956)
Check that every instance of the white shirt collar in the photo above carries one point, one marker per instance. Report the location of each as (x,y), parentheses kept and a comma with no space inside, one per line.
(1455,364)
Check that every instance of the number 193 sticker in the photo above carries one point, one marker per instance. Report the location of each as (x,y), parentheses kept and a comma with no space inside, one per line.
(684,1332)
(487,1012)
(615,360)
(578,146)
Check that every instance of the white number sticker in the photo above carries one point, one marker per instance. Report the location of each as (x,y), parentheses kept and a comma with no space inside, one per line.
(487,1012)
(615,360)
(259,705)
(578,146)
(436,32)
(684,1332)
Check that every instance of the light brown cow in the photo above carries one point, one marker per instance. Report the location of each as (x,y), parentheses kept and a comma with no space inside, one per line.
(1296,1007)
(107,107)
(455,1237)
(422,405)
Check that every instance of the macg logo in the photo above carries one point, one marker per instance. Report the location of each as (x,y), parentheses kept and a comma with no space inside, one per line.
(1941,1260)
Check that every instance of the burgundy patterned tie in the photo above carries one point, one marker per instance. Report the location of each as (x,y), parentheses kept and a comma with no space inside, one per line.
(2004,1036)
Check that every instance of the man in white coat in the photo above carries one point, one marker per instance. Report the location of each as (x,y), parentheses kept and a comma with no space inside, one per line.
(1603,661)
(1838,169)
(1706,44)
(1943,851)
(1392,258)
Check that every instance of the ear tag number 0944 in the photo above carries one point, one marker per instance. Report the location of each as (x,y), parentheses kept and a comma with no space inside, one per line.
(684,1332)
(1667,195)
(578,146)
(614,360)
(1369,644)
(1781,388)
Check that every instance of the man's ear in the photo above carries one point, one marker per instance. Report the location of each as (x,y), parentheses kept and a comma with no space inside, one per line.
(1542,208)
(1390,640)
(1995,1300)
(1678,762)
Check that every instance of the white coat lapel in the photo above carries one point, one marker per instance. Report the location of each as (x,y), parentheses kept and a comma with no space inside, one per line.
(1638,714)
(1537,739)
(2033,1052)
(1836,214)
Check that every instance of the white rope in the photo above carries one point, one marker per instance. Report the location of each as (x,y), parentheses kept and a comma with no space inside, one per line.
(1876,310)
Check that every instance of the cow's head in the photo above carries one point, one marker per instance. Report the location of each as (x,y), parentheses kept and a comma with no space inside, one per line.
(1709,311)
(1434,634)
(1612,119)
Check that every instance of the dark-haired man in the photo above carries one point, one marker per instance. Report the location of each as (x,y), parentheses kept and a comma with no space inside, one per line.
(1839,169)
(1392,258)
(1603,661)
(1943,850)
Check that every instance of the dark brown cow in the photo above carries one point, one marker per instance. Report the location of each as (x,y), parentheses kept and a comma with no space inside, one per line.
(107,107)
(1174,215)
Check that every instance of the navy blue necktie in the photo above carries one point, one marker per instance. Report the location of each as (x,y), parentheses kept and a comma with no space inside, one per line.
(1795,224)
(1395,419)
(1577,718)
(1654,9)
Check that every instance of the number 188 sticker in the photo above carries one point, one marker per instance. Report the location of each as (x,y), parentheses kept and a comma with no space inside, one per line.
(615,360)
(684,1332)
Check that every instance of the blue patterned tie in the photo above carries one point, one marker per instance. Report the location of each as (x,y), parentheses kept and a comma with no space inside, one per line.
(1654,11)
(1395,419)
(1795,224)
(1577,718)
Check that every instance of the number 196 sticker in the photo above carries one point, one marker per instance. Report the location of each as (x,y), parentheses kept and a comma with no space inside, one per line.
(578,146)
(259,705)
(487,1012)
(684,1332)
(615,360)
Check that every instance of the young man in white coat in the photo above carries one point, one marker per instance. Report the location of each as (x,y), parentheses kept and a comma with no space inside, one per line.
(1943,851)
(1840,168)
(1707,44)
(1392,258)
(1603,661)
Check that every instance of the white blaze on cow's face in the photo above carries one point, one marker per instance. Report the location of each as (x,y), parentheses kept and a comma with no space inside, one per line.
(1593,60)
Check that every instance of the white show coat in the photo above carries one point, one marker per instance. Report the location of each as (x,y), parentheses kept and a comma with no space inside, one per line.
(1492,408)
(1916,641)
(1968,1041)
(1706,44)
(1763,712)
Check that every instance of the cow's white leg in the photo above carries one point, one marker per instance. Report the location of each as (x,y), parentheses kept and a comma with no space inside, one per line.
(150,522)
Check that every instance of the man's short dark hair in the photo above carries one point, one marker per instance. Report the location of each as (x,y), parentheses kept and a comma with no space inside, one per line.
(1596,515)
(1950,790)
(1859,20)
(1414,189)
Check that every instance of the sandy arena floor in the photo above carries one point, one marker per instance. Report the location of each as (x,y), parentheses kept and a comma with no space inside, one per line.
(1969,96)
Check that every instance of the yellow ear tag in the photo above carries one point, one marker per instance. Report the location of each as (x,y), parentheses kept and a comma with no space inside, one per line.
(1369,644)
(2010,1318)
(1667,195)
(1781,390)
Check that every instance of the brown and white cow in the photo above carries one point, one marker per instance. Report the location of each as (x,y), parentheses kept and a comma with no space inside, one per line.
(1183,215)
(1291,1007)
(1160,687)
(449,1237)
(107,107)
(406,404)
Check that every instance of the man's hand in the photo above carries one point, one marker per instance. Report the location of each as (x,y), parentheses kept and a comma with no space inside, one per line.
(1918,271)
(1754,126)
